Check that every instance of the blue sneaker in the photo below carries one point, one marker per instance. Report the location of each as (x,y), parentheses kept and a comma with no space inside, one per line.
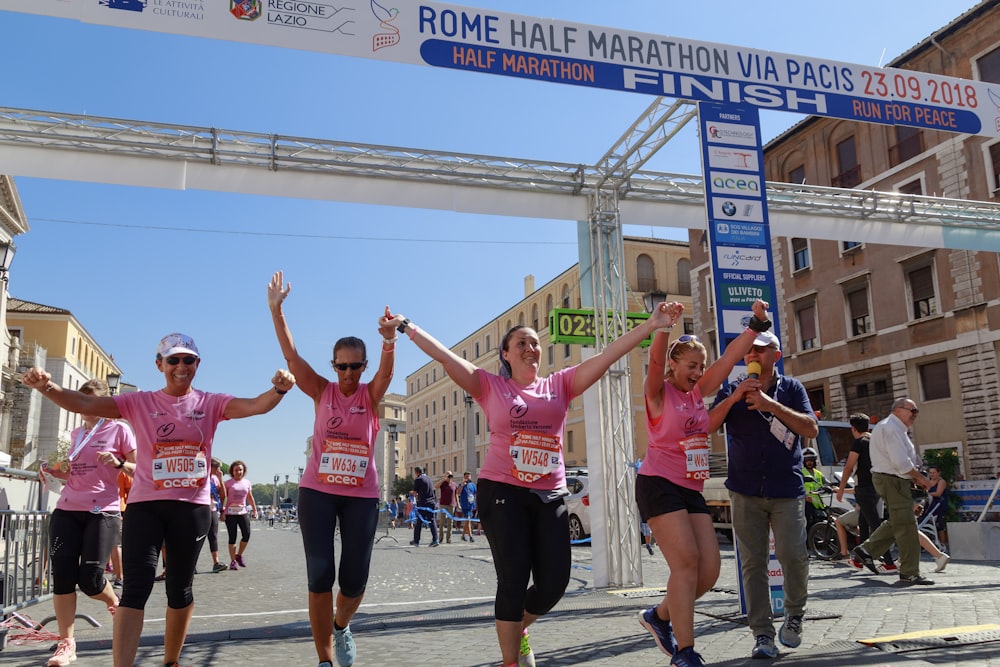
(764,648)
(663,633)
(791,631)
(687,658)
(343,646)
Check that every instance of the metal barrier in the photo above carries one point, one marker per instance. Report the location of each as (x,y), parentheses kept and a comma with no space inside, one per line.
(24,544)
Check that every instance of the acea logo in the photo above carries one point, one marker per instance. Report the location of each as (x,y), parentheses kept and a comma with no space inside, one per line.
(752,259)
(728,183)
(245,10)
(128,5)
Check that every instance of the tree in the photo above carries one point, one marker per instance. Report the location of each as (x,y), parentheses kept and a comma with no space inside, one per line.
(402,486)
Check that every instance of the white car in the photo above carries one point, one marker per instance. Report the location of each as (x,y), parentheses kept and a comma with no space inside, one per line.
(578,504)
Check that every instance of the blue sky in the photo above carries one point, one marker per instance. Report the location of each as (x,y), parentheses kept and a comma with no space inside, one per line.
(135,264)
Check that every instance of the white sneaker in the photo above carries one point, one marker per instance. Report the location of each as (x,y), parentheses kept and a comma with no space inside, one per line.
(942,562)
(64,655)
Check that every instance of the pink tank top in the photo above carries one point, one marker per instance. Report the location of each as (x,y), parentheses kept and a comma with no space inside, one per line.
(678,440)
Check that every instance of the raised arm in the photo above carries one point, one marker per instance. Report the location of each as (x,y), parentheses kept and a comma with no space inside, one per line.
(653,384)
(462,372)
(590,371)
(281,383)
(309,381)
(387,360)
(68,399)
(717,373)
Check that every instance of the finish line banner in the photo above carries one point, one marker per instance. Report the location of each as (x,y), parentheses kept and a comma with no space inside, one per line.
(478,40)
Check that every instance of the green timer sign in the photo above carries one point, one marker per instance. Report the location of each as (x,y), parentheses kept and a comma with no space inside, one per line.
(576,326)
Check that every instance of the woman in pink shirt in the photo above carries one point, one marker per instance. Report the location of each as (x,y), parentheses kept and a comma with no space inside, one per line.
(87,519)
(169,501)
(672,476)
(240,508)
(523,480)
(339,487)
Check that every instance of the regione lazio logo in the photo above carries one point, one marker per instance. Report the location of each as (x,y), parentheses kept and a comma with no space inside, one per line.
(245,10)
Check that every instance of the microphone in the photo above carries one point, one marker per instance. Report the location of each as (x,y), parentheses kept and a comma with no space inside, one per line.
(753,370)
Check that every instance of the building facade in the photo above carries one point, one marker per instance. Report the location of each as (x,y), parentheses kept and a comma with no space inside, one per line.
(441,419)
(53,339)
(391,443)
(864,323)
(12,222)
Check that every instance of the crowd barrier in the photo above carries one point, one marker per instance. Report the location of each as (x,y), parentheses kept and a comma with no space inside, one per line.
(24,548)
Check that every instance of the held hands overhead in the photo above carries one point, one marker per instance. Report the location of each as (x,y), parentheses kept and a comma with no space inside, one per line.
(283,380)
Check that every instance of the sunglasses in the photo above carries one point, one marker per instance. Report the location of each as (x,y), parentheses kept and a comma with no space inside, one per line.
(354,365)
(686,338)
(188,360)
(913,410)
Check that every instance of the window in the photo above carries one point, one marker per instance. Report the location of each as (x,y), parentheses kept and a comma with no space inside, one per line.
(550,354)
(565,296)
(454,430)
(548,308)
(534,317)
(909,144)
(476,350)
(934,380)
(805,315)
(684,276)
(566,351)
(914,187)
(477,423)
(645,274)
(520,319)
(859,311)
(797,175)
(444,436)
(847,161)
(488,345)
(800,254)
(709,293)
(922,295)
(688,326)
(569,440)
(848,246)
(994,163)
(989,66)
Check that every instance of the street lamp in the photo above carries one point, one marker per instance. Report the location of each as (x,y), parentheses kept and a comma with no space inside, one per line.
(286,486)
(276,478)
(653,298)
(8,249)
(113,379)
(470,436)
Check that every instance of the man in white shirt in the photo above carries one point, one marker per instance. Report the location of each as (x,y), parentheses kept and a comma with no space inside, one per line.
(895,467)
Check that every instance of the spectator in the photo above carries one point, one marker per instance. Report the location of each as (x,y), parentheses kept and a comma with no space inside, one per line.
(218,491)
(938,493)
(446,506)
(859,463)
(426,504)
(467,501)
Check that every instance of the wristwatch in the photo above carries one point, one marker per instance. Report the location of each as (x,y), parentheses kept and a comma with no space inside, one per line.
(402,326)
(758,325)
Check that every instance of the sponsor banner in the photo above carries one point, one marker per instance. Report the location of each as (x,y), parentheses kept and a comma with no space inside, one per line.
(492,42)
(733,232)
(722,157)
(729,208)
(731,133)
(732,183)
(736,321)
(728,258)
(743,294)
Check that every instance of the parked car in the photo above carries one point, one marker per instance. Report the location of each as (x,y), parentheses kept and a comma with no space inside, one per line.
(578,504)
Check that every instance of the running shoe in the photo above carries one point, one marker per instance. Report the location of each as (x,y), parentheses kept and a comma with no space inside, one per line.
(525,656)
(887,568)
(687,658)
(865,558)
(914,580)
(791,631)
(662,631)
(240,561)
(343,646)
(161,576)
(219,567)
(233,565)
(764,648)
(649,548)
(117,583)
(65,653)
(855,563)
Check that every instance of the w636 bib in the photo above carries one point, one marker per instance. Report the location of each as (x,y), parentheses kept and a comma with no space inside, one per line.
(696,456)
(179,465)
(343,462)
(535,455)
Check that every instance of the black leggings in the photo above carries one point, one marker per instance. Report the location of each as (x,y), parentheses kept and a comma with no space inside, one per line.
(319,514)
(80,544)
(213,533)
(241,521)
(177,526)
(528,538)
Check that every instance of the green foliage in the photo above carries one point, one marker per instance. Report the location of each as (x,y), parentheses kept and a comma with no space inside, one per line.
(402,486)
(946,461)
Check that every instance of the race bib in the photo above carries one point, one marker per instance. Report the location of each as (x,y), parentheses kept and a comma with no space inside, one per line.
(696,456)
(179,465)
(344,463)
(236,509)
(782,433)
(535,455)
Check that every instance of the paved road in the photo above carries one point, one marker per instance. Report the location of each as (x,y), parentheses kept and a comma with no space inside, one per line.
(434,606)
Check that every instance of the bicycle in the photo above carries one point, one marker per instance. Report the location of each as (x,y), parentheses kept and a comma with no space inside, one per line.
(821,534)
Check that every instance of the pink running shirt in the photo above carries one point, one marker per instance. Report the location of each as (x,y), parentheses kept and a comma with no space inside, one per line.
(342,461)
(678,440)
(236,496)
(93,486)
(526,429)
(175,435)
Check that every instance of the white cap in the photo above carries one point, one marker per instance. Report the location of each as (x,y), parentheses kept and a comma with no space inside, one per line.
(767,339)
(176,343)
